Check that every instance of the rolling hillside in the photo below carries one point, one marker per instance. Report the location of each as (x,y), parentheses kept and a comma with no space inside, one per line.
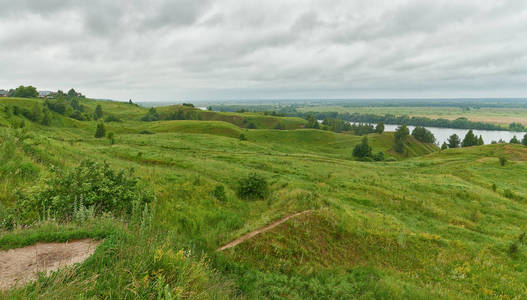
(424,224)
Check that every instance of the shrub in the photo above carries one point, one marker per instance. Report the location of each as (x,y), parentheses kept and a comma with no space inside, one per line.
(90,185)
(379,156)
(253,186)
(509,194)
(494,187)
(112,118)
(151,116)
(219,192)
(243,137)
(424,135)
(101,131)
(363,149)
(514,248)
(111,137)
(514,140)
(146,132)
(503,161)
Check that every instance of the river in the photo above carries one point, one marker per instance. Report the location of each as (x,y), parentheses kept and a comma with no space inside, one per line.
(442,134)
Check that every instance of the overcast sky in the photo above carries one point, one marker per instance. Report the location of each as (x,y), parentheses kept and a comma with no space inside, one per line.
(161,50)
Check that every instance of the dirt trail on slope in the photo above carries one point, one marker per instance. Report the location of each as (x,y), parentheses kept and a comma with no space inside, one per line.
(21,265)
(252,234)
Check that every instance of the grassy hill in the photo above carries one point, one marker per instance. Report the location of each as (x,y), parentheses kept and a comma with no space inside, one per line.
(428,224)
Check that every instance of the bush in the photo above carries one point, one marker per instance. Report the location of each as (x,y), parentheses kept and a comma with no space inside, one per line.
(90,185)
(514,248)
(379,156)
(243,137)
(146,132)
(363,149)
(219,192)
(424,135)
(101,131)
(151,116)
(253,187)
(112,118)
(503,161)
(111,138)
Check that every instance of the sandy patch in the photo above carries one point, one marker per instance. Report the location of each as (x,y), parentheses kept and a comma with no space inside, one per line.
(21,265)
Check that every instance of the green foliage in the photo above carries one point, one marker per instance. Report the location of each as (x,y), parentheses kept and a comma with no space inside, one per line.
(219,192)
(98,112)
(69,105)
(243,137)
(46,117)
(379,156)
(312,122)
(444,146)
(146,132)
(100,132)
(379,128)
(92,185)
(470,140)
(524,140)
(514,248)
(151,116)
(514,140)
(111,137)
(424,135)
(454,141)
(503,160)
(25,92)
(363,149)
(112,118)
(401,134)
(279,126)
(516,127)
(253,187)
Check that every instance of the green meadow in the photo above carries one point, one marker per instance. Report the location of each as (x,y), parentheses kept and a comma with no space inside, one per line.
(422,224)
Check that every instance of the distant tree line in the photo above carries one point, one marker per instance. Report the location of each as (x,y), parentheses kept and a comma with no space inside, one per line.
(339,125)
(460,123)
(180,114)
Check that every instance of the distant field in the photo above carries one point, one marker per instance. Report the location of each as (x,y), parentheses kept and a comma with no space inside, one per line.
(500,116)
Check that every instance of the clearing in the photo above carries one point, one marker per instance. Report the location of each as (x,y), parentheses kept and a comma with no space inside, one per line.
(22,265)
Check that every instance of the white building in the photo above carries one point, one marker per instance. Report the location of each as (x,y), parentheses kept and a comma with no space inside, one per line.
(44,94)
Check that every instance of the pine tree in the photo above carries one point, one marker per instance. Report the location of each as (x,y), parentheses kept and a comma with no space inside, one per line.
(514,140)
(469,140)
(101,131)
(453,141)
(480,141)
(362,149)
(98,112)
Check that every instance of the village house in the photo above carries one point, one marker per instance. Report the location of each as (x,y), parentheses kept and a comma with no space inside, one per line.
(4,93)
(44,94)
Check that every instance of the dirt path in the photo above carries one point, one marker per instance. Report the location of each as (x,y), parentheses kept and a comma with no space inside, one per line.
(252,234)
(21,265)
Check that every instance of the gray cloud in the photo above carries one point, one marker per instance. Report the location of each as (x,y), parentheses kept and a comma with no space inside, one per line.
(167,50)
